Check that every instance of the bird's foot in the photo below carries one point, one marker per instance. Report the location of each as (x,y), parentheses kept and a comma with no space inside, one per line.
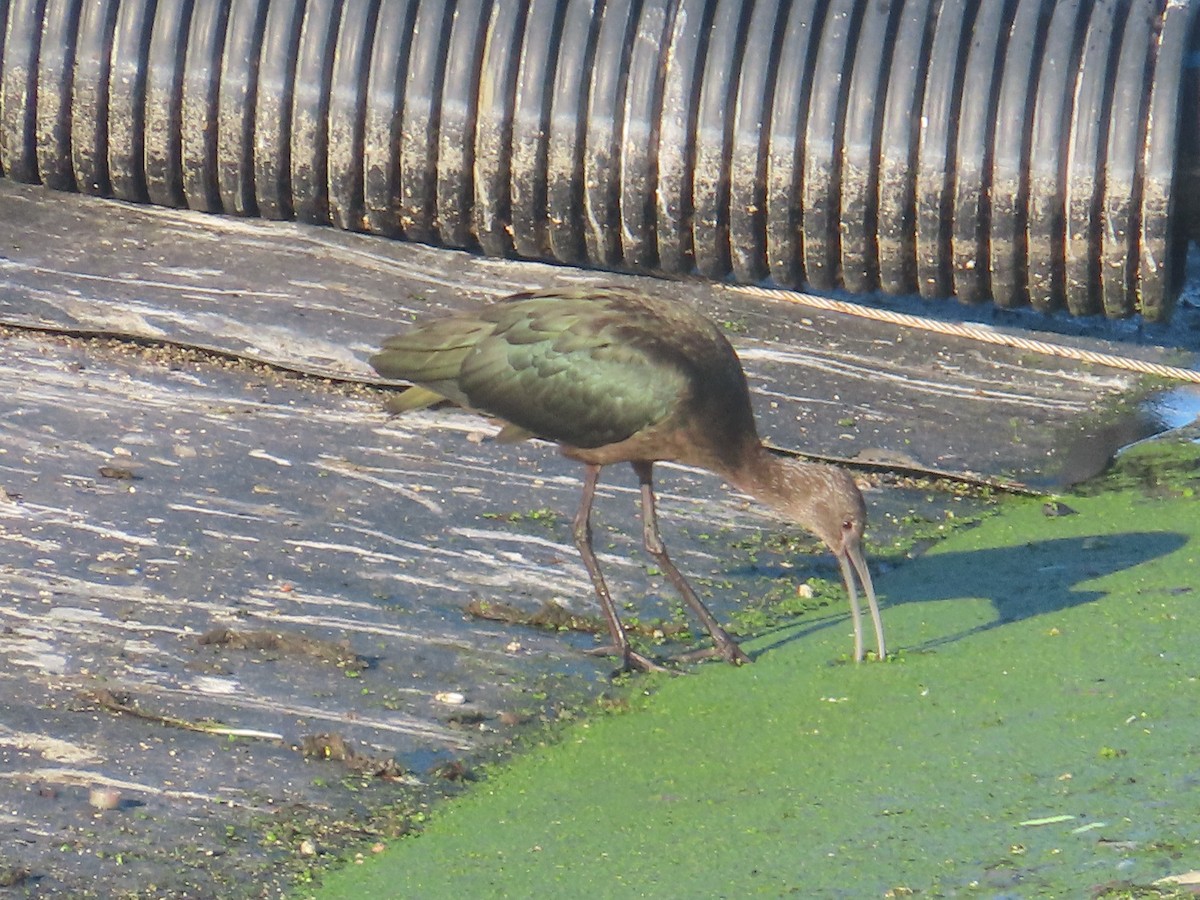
(632,661)
(727,650)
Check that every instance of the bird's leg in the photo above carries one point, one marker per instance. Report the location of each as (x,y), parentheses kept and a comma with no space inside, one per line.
(583,540)
(724,645)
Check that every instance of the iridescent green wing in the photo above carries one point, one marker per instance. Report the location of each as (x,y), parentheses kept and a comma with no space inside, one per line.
(582,369)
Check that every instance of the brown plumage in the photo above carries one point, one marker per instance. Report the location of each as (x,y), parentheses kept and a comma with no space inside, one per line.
(614,375)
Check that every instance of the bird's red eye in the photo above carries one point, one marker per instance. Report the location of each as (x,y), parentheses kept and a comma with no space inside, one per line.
(848,525)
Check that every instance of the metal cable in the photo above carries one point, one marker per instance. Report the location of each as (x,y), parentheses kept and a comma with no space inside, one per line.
(982,333)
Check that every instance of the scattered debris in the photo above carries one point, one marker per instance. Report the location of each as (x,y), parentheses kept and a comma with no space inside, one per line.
(1053,508)
(450,698)
(467,718)
(454,770)
(1185,878)
(285,644)
(335,748)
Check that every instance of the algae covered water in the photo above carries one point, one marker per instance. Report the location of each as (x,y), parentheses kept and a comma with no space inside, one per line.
(1037,737)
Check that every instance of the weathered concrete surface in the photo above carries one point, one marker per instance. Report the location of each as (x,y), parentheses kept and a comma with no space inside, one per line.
(153,495)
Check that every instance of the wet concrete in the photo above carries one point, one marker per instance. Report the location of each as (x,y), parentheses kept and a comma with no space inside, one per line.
(153,494)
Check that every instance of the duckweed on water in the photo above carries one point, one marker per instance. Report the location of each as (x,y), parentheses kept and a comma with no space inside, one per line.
(1040,739)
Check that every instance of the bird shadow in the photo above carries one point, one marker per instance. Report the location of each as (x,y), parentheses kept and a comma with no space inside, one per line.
(1020,582)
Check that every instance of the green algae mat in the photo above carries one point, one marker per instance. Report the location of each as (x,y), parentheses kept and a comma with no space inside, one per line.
(1037,736)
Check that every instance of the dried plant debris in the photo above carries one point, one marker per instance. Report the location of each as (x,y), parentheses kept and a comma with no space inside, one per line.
(12,876)
(119,473)
(555,617)
(453,770)
(335,748)
(1129,890)
(284,644)
(551,616)
(124,705)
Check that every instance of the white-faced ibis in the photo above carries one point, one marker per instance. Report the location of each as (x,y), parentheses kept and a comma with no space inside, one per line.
(612,376)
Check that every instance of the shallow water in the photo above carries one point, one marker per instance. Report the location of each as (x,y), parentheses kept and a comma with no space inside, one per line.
(1175,408)
(1087,447)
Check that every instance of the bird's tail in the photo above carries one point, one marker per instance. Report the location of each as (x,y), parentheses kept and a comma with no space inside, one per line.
(414,398)
(430,357)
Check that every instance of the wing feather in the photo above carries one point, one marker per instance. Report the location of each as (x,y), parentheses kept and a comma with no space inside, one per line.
(584,367)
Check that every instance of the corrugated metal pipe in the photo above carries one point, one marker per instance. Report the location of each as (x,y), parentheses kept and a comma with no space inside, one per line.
(1036,152)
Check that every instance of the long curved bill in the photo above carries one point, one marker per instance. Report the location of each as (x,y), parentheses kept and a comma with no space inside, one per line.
(852,562)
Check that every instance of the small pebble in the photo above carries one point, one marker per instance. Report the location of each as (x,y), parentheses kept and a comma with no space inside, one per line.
(308,847)
(451,698)
(104,798)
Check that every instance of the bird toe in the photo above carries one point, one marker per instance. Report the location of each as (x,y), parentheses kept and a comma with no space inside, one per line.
(631,660)
(726,650)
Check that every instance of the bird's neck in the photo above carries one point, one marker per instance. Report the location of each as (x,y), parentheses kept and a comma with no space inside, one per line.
(769,477)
